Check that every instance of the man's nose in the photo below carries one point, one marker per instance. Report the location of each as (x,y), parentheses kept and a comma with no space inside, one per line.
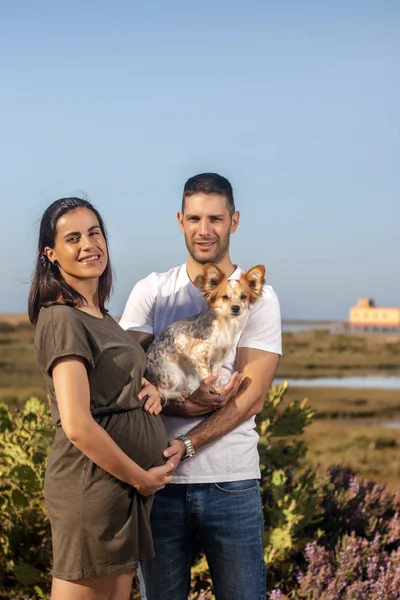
(205,228)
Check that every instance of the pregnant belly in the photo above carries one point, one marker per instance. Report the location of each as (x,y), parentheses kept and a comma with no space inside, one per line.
(141,436)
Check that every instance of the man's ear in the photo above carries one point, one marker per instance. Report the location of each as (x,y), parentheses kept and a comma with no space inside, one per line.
(212,279)
(234,221)
(255,278)
(179,216)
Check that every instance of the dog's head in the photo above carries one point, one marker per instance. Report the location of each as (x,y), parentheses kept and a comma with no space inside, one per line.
(231,297)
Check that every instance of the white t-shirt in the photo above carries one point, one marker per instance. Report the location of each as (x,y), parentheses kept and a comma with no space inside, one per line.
(163,298)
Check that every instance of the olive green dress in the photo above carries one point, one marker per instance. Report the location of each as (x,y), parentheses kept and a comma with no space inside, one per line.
(100,525)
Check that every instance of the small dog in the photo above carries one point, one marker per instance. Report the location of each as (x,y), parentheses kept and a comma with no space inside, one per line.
(189,350)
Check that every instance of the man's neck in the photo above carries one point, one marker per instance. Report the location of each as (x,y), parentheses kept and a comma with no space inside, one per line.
(194,269)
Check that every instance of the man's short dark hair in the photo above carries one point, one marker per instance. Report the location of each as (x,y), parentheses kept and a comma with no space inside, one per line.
(209,183)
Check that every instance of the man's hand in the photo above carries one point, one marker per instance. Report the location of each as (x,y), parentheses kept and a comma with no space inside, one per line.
(203,401)
(151,396)
(175,452)
(205,397)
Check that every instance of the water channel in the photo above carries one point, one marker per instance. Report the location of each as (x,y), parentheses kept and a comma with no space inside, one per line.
(377,382)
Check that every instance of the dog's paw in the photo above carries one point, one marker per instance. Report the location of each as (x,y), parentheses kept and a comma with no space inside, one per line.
(216,390)
(182,397)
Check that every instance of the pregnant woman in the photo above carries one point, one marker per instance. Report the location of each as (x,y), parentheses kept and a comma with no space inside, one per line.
(106,460)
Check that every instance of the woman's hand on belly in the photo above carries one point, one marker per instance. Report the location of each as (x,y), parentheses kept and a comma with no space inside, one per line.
(156,479)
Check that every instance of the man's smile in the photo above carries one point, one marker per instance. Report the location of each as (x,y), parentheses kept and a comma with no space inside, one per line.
(205,245)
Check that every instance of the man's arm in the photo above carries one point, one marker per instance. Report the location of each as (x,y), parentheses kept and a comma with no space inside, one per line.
(258,368)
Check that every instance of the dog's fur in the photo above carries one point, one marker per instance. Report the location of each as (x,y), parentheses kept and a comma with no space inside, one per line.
(191,349)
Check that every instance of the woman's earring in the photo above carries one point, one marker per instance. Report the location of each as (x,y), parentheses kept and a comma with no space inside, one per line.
(56,263)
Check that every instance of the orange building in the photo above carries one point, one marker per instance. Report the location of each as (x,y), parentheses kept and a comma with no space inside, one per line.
(365,315)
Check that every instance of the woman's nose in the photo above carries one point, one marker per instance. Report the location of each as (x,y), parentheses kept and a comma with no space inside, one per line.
(87,241)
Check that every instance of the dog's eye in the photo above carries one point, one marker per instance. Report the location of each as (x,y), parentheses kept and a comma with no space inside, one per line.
(243,297)
(225,297)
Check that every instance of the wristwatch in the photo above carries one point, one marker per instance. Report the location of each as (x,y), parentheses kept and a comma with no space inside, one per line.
(189,449)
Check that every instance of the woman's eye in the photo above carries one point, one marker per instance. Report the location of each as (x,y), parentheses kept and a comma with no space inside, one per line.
(74,238)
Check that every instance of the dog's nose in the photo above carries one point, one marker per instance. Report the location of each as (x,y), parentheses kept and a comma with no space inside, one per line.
(236,309)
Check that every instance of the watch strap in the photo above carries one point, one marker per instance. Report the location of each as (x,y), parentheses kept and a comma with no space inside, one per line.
(189,448)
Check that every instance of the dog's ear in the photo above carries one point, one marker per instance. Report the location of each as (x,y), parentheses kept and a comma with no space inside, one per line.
(199,282)
(255,279)
(212,278)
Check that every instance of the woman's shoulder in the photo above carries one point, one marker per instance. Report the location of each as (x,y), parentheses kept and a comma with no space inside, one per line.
(58,311)
(62,331)
(58,316)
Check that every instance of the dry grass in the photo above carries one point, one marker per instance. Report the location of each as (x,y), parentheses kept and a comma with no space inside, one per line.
(20,376)
(368,449)
(347,430)
(319,353)
(348,403)
(14,318)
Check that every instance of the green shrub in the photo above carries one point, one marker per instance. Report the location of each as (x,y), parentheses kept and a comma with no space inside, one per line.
(292,503)
(301,511)
(25,548)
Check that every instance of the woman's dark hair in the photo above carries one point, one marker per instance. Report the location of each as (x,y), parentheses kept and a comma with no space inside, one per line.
(48,285)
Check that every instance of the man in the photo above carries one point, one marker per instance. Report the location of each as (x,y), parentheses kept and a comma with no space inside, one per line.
(214,497)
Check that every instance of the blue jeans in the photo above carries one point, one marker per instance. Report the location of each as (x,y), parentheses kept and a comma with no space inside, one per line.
(226,518)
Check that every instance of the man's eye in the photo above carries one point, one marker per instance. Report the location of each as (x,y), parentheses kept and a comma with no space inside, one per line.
(94,232)
(74,238)
(225,297)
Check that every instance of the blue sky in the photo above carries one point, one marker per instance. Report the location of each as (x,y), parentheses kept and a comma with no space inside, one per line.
(297,103)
